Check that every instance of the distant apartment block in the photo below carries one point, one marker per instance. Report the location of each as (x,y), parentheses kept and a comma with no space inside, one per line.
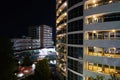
(39,37)
(26,43)
(43,33)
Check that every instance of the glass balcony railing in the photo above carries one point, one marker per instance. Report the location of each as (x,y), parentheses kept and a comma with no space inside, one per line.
(104,52)
(104,18)
(104,35)
(105,69)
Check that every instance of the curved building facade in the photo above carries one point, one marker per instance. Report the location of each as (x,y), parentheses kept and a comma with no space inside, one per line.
(101,38)
(93,38)
(75,40)
(61,18)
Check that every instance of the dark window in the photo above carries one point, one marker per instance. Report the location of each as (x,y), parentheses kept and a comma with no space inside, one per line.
(75,26)
(76,52)
(75,38)
(72,2)
(72,76)
(76,12)
(112,17)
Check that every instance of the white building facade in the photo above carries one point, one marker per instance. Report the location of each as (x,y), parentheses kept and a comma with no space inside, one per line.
(43,33)
(101,38)
(47,36)
(20,44)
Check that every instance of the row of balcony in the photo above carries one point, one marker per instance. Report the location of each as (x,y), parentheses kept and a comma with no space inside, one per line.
(61,31)
(61,27)
(60,2)
(104,52)
(60,12)
(62,19)
(63,11)
(104,69)
(103,35)
(25,48)
(96,3)
(30,41)
(103,18)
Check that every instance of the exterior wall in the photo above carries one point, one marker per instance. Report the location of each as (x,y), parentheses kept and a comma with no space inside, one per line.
(100,23)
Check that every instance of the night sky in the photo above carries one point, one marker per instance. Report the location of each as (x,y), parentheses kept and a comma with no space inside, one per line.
(17,15)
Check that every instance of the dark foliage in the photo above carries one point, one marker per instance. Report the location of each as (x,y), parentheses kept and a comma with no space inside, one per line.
(42,71)
(27,61)
(8,64)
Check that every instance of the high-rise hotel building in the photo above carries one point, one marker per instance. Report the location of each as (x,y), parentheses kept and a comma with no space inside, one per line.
(92,38)
(101,38)
(61,18)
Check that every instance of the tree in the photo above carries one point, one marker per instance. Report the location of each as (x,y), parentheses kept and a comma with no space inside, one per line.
(27,61)
(8,64)
(42,71)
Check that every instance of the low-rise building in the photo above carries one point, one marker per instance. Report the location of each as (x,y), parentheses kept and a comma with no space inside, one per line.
(27,43)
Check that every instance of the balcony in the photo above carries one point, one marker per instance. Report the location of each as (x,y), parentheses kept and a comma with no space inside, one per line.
(62,1)
(103,35)
(100,18)
(104,69)
(61,31)
(62,11)
(61,19)
(95,3)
